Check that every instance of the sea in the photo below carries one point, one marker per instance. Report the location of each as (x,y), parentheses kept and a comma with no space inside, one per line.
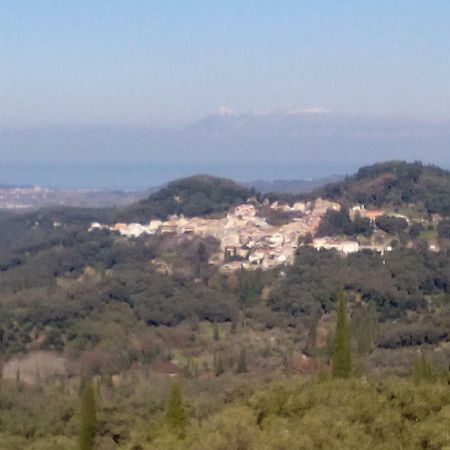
(138,176)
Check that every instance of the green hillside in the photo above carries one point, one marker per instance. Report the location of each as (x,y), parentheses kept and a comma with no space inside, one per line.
(193,196)
(134,314)
(396,183)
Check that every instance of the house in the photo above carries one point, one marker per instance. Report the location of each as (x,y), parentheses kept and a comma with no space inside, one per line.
(400,216)
(122,228)
(276,239)
(343,246)
(153,226)
(357,210)
(130,230)
(280,206)
(184,226)
(299,206)
(185,229)
(348,246)
(256,257)
(135,230)
(231,266)
(373,214)
(321,206)
(246,210)
(94,226)
(168,227)
(242,252)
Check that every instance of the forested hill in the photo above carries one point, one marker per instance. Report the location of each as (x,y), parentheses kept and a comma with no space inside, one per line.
(394,182)
(136,314)
(193,196)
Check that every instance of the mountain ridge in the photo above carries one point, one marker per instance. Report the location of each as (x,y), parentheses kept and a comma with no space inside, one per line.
(304,139)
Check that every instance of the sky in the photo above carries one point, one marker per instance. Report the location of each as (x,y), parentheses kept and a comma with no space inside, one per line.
(168,63)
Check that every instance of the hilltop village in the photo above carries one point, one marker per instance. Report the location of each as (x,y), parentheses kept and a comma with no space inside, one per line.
(249,241)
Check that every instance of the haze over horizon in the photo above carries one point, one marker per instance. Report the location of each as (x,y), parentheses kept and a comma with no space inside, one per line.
(302,89)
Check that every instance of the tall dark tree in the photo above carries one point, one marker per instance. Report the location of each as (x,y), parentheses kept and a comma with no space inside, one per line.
(88,422)
(342,354)
(176,417)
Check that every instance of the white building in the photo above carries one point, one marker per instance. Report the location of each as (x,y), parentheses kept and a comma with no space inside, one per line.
(299,206)
(245,210)
(343,246)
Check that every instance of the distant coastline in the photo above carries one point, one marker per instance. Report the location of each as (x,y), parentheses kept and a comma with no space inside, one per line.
(138,176)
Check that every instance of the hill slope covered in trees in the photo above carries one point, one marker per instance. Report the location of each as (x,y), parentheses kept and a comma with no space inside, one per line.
(133,313)
(394,182)
(193,196)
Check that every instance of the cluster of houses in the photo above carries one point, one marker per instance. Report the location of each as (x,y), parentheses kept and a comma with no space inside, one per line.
(248,241)
(246,238)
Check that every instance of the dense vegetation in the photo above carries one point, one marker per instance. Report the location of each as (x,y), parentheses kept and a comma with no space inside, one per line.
(395,183)
(399,281)
(194,196)
(339,223)
(69,284)
(96,326)
(292,413)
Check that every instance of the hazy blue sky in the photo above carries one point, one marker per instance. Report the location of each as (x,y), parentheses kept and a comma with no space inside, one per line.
(170,62)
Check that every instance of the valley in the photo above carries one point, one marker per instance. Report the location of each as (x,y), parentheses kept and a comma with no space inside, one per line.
(233,296)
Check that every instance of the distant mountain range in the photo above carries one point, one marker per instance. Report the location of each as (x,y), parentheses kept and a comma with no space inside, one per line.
(284,144)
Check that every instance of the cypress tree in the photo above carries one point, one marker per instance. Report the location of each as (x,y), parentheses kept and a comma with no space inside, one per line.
(342,357)
(175,412)
(88,421)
